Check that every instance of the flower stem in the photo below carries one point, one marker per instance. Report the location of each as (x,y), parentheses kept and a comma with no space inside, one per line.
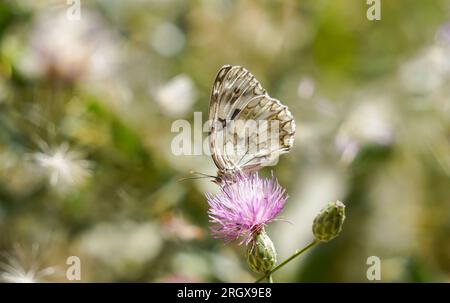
(270,278)
(296,254)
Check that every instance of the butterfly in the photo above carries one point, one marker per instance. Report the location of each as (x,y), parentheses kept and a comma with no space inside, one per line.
(248,128)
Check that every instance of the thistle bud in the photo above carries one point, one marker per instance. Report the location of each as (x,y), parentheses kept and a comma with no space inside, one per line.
(328,223)
(261,254)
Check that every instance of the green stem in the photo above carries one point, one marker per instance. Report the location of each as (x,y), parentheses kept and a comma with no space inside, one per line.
(270,278)
(296,254)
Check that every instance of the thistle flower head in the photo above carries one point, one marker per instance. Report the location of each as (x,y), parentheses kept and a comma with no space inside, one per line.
(242,208)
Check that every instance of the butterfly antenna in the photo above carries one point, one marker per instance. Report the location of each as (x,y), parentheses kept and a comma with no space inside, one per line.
(192,172)
(199,176)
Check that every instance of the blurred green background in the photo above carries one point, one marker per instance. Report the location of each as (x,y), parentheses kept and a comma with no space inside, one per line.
(86,108)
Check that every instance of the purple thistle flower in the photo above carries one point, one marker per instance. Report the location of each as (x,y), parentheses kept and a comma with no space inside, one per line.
(244,207)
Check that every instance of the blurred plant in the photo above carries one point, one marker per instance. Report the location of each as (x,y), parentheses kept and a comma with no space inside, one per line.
(177,96)
(368,124)
(65,168)
(67,51)
(20,267)
(106,241)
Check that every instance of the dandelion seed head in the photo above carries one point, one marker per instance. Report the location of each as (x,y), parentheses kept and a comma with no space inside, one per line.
(19,274)
(64,167)
(23,268)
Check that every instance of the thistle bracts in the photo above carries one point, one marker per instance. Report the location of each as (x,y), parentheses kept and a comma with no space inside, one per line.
(261,254)
(328,223)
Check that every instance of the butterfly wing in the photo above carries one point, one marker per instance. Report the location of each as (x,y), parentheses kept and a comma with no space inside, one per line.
(249,129)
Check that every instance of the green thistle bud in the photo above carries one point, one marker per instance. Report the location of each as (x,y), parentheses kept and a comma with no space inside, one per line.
(328,223)
(261,254)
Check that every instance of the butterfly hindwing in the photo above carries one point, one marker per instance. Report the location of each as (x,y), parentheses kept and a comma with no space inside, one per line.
(249,129)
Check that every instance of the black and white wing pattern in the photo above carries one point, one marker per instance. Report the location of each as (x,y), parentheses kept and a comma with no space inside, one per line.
(249,129)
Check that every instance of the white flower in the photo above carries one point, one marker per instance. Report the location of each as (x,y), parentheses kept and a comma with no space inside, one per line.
(306,88)
(427,72)
(64,167)
(168,40)
(177,96)
(66,50)
(369,123)
(179,228)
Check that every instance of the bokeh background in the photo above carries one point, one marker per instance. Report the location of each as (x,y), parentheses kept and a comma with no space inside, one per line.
(86,108)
